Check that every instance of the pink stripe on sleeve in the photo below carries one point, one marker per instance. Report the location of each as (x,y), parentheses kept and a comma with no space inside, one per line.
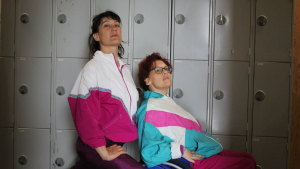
(164,119)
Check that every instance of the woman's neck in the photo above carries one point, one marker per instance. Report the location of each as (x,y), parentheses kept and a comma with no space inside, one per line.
(108,50)
(163,91)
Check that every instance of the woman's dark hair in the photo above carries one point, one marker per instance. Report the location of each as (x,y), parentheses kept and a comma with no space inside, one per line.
(145,67)
(94,45)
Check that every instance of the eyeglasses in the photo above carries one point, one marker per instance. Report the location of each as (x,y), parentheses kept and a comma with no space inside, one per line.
(159,70)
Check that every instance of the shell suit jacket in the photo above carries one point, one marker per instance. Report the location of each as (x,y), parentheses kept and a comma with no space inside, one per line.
(164,127)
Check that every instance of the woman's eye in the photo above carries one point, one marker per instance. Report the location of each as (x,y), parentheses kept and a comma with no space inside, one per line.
(106,25)
(117,25)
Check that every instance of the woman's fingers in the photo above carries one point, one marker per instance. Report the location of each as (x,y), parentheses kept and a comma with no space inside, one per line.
(197,156)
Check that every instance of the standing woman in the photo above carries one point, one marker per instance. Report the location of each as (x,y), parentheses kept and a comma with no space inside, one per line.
(104,99)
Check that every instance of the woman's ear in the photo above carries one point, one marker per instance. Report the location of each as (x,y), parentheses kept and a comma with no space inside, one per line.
(147,81)
(96,37)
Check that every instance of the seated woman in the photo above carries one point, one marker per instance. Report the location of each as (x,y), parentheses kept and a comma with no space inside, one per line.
(166,131)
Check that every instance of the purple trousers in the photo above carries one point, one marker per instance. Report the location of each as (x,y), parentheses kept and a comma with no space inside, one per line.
(90,159)
(226,159)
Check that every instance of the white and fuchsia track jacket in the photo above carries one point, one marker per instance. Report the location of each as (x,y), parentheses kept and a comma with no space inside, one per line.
(103,100)
(164,127)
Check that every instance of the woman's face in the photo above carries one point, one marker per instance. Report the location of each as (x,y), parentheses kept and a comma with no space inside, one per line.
(110,33)
(159,82)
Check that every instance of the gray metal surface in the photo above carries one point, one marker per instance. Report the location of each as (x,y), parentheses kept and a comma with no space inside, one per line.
(232,39)
(7,92)
(7,38)
(270,152)
(6,148)
(65,148)
(66,74)
(72,36)
(191,77)
(122,9)
(229,115)
(270,116)
(153,34)
(191,38)
(36,35)
(232,143)
(273,41)
(35,145)
(33,108)
(135,71)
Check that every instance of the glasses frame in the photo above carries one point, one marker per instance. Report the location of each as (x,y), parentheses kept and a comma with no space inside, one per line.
(167,68)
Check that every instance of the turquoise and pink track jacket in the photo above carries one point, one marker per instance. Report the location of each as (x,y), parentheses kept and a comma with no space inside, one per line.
(163,127)
(103,100)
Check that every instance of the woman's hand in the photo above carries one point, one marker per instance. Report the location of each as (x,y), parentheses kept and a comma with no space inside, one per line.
(189,155)
(110,153)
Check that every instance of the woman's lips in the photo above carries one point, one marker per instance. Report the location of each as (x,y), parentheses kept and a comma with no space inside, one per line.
(165,78)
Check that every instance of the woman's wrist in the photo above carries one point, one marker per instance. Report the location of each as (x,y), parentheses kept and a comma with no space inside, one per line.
(102,151)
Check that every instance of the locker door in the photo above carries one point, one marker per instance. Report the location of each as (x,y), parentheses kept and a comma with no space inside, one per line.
(273,38)
(190,88)
(230,98)
(6,148)
(133,149)
(72,28)
(33,92)
(135,71)
(33,149)
(65,151)
(271,104)
(191,34)
(122,9)
(232,143)
(270,152)
(35,28)
(151,27)
(66,73)
(7,92)
(232,37)
(7,38)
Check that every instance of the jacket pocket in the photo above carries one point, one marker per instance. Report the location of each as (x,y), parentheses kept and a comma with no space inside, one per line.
(113,121)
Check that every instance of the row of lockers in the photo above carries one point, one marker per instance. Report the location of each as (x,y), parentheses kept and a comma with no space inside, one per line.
(224,24)
(33,149)
(230,92)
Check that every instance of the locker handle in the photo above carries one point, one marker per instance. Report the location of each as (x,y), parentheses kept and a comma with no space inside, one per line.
(259,95)
(262,20)
(59,162)
(24,18)
(22,160)
(60,90)
(23,89)
(139,18)
(62,18)
(179,19)
(218,94)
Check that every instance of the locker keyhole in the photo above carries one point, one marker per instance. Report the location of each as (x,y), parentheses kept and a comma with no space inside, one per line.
(221,20)
(262,20)
(218,94)
(178,93)
(139,18)
(24,18)
(22,160)
(180,19)
(23,89)
(260,95)
(62,18)
(60,90)
(59,162)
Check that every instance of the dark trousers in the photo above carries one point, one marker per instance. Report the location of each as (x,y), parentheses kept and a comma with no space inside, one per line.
(90,159)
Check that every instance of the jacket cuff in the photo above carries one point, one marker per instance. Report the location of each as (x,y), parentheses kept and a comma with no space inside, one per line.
(95,143)
(175,150)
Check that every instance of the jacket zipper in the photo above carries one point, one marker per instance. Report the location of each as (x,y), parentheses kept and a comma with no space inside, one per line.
(125,84)
(118,117)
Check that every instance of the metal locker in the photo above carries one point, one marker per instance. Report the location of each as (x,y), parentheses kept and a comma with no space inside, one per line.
(72,28)
(7,38)
(124,60)
(33,149)
(122,9)
(270,152)
(7,92)
(6,148)
(232,29)
(65,149)
(232,143)
(271,99)
(151,27)
(273,40)
(190,81)
(230,98)
(135,71)
(34,28)
(133,149)
(66,74)
(191,34)
(33,82)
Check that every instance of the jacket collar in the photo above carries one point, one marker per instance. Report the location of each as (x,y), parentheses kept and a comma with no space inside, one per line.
(107,57)
(150,94)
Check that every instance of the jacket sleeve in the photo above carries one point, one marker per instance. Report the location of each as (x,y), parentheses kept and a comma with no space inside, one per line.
(86,109)
(154,147)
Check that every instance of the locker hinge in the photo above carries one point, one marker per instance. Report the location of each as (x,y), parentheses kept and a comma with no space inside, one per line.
(287,146)
(249,51)
(249,72)
(246,145)
(247,127)
(291,53)
(288,127)
(291,71)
